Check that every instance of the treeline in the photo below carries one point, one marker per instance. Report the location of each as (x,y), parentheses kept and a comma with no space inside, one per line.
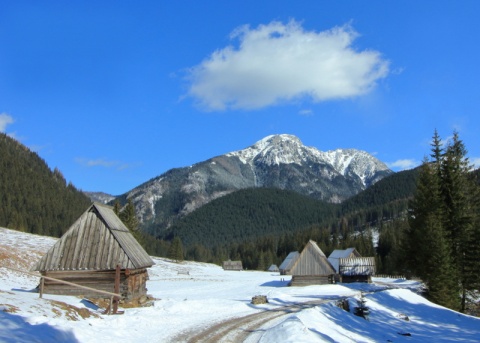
(33,198)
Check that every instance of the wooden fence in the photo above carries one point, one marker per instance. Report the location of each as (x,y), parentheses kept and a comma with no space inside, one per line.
(390,276)
(114,297)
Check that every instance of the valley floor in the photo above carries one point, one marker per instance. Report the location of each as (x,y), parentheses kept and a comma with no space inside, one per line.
(190,305)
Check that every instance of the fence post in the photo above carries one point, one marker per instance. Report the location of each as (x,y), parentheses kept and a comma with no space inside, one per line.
(116,287)
(42,283)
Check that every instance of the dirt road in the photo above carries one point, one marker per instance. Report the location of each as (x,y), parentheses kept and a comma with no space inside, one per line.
(238,329)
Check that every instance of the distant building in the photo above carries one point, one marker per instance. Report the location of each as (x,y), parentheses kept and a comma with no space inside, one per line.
(351,266)
(97,250)
(357,269)
(337,254)
(287,264)
(312,267)
(232,265)
(273,268)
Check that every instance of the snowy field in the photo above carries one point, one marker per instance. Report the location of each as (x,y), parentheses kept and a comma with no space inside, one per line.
(188,303)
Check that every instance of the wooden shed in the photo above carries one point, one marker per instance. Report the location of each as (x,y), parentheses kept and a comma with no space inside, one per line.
(232,265)
(95,251)
(273,268)
(357,269)
(288,263)
(337,254)
(312,267)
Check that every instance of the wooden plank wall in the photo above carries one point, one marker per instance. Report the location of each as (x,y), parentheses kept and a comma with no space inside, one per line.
(311,262)
(232,265)
(132,283)
(356,278)
(307,280)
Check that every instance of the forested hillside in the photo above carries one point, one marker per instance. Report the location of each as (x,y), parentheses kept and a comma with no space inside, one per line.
(385,200)
(262,226)
(33,198)
(252,213)
(249,214)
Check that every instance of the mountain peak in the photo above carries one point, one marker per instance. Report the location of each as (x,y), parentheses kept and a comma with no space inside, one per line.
(278,139)
(288,149)
(273,150)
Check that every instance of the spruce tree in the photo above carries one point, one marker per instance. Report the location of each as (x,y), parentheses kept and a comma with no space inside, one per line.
(129,217)
(175,252)
(116,207)
(460,213)
(444,233)
(428,251)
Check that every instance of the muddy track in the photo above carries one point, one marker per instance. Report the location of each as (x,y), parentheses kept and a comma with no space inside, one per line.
(238,329)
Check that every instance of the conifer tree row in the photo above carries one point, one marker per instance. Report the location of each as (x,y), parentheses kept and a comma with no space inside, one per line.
(442,245)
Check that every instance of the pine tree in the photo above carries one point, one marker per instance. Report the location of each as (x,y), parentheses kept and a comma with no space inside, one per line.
(176,250)
(429,255)
(116,207)
(444,234)
(261,264)
(460,209)
(129,217)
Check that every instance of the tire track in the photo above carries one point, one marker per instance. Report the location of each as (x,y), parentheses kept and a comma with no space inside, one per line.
(238,329)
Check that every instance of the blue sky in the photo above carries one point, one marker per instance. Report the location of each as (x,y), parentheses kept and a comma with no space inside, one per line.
(114,93)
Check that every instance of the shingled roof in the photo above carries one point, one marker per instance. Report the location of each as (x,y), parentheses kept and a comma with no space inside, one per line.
(98,240)
(287,264)
(337,254)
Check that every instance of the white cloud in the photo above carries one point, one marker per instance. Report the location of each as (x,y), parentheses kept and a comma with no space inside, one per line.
(306,113)
(100,162)
(5,120)
(278,63)
(403,164)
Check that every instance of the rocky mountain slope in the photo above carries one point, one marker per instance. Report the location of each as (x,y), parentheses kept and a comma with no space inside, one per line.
(100,197)
(279,161)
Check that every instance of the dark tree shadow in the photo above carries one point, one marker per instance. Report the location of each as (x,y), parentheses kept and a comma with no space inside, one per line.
(16,329)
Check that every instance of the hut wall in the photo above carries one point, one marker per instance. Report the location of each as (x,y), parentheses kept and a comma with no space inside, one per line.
(307,280)
(132,282)
(356,278)
(232,265)
(136,281)
(357,266)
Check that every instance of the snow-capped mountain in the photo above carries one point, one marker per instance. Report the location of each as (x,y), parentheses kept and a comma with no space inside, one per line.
(279,161)
(288,149)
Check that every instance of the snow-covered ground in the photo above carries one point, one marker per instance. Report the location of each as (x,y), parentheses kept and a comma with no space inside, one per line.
(190,302)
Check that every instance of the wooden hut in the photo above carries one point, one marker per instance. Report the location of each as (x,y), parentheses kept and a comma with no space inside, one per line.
(273,268)
(288,263)
(337,254)
(96,251)
(232,265)
(312,267)
(357,269)
(351,266)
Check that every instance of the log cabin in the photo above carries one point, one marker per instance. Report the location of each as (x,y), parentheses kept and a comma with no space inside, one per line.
(97,250)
